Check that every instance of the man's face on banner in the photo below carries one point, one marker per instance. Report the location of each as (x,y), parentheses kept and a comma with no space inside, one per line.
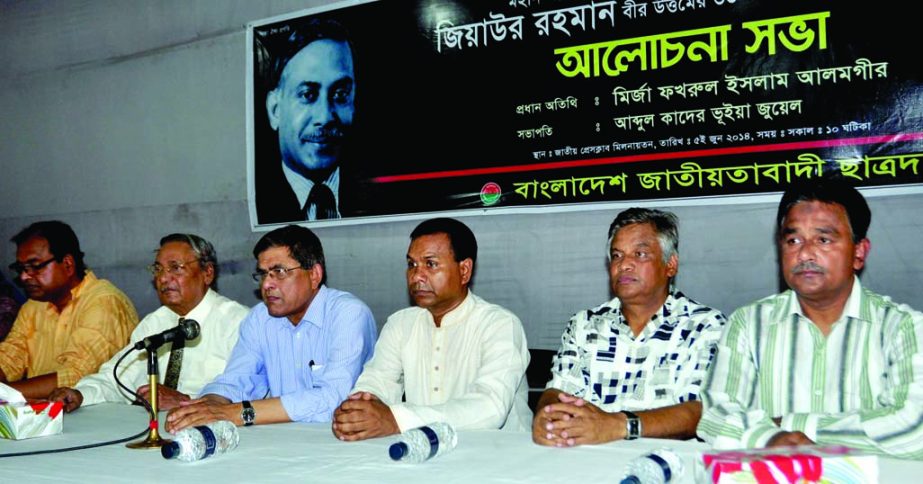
(312,107)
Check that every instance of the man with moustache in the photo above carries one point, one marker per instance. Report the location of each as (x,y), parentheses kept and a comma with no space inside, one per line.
(311,107)
(72,322)
(299,351)
(454,357)
(632,367)
(828,361)
(185,273)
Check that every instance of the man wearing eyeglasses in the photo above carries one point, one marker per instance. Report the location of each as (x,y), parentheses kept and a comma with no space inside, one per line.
(185,271)
(72,322)
(299,351)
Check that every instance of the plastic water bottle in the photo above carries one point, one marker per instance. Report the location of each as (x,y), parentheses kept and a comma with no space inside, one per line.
(657,467)
(424,443)
(197,443)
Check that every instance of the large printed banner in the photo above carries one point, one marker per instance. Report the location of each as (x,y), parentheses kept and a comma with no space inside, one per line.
(411,107)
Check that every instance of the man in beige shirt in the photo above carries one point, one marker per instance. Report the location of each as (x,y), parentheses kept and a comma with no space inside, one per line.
(454,357)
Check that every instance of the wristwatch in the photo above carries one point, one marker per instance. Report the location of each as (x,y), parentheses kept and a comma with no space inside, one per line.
(248,415)
(633,424)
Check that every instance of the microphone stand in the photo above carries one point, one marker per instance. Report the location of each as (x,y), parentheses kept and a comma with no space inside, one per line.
(153,440)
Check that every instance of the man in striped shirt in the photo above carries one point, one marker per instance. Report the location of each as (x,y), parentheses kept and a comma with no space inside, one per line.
(827,361)
(298,352)
(632,366)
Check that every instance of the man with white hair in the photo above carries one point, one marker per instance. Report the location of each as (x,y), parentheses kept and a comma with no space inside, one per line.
(632,367)
(184,271)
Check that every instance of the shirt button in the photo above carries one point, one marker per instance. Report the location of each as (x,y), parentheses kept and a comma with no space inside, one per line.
(437,348)
(436,368)
(436,389)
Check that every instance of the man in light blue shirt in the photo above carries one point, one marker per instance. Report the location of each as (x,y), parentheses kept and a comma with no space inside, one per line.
(300,350)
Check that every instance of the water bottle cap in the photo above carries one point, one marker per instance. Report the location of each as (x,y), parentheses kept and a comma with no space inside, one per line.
(170,450)
(398,450)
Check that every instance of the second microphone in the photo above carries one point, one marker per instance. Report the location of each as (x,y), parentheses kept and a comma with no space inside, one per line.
(187,329)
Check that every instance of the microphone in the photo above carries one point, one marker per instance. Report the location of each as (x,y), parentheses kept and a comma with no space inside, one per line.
(187,329)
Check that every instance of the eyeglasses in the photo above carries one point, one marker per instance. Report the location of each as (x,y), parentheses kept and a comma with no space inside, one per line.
(276,273)
(30,268)
(173,268)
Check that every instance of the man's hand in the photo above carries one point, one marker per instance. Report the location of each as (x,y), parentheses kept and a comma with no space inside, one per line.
(574,421)
(71,398)
(167,398)
(568,398)
(363,416)
(543,423)
(783,439)
(36,387)
(201,411)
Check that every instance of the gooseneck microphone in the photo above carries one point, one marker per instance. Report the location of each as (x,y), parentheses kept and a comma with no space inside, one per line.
(187,330)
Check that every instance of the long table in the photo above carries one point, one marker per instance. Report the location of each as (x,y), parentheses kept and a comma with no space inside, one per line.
(309,453)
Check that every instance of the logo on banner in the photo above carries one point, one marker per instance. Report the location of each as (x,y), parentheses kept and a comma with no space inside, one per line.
(490,193)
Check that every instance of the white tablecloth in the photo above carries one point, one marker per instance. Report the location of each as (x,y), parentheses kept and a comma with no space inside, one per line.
(309,453)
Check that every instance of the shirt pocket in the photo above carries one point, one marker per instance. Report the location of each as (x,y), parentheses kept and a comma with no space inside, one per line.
(663,384)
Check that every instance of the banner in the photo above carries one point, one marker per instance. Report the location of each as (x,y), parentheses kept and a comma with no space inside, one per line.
(393,108)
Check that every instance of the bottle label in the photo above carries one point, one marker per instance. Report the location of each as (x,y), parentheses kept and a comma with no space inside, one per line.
(433,441)
(210,441)
(664,466)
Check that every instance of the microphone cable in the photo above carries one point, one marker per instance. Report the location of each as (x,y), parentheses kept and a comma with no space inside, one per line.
(138,399)
(78,447)
(147,405)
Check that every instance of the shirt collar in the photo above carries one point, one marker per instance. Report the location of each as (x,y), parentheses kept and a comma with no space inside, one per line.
(88,279)
(851,309)
(670,308)
(854,303)
(461,312)
(317,309)
(663,315)
(201,310)
(302,186)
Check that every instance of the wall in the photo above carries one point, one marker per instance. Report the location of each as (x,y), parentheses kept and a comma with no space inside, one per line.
(126,120)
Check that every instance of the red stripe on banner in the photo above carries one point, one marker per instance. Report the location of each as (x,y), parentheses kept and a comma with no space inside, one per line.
(800,145)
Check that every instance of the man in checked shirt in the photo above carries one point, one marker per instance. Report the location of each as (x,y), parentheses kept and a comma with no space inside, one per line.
(633,366)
